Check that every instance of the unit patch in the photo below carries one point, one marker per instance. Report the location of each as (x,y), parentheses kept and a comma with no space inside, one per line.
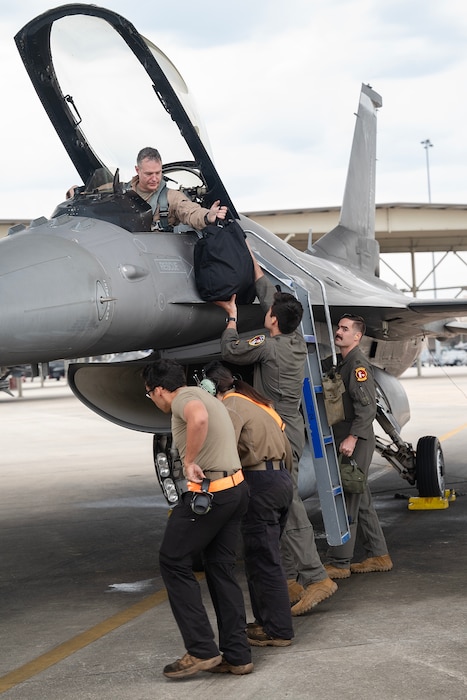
(257,340)
(361,374)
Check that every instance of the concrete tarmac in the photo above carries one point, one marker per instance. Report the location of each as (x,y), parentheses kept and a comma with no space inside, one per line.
(84,613)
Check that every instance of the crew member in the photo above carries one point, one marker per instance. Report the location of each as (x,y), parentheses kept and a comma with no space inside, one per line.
(266,457)
(279,368)
(355,438)
(204,436)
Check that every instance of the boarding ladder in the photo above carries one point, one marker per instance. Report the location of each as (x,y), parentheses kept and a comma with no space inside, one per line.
(319,433)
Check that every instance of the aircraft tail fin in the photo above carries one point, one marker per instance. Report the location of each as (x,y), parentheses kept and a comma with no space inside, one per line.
(353,242)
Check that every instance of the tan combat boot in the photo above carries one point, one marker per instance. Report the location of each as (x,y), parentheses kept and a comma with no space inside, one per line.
(335,572)
(295,590)
(313,594)
(382,563)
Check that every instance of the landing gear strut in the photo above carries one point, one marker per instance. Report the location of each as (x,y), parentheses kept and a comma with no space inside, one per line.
(423,467)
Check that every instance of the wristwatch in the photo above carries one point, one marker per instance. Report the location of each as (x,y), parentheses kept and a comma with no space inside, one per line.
(231,318)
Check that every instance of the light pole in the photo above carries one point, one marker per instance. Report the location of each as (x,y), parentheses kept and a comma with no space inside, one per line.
(426,145)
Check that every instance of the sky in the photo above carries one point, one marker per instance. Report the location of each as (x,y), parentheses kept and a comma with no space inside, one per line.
(277,84)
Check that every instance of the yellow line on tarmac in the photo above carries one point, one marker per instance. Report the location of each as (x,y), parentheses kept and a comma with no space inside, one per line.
(446,436)
(62,651)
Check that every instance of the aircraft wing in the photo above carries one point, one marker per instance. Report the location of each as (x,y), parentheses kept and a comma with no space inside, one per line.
(441,317)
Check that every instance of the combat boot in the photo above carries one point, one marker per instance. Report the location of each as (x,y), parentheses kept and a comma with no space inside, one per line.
(335,572)
(382,563)
(313,594)
(236,670)
(296,590)
(189,665)
(260,638)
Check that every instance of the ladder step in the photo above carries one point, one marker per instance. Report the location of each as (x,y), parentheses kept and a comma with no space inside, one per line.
(331,496)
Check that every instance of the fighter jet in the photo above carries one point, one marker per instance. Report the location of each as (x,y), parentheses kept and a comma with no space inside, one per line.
(95,279)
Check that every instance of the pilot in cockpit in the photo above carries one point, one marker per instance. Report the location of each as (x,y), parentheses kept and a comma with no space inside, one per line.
(170,207)
(173,205)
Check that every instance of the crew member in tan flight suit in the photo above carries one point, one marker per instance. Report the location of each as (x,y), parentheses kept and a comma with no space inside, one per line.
(149,183)
(266,459)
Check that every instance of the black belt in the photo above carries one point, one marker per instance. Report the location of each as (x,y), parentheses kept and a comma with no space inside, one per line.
(268,464)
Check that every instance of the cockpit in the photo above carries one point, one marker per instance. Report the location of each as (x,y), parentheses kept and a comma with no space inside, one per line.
(109,199)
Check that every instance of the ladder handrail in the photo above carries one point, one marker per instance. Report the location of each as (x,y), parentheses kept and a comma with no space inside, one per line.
(320,435)
(327,313)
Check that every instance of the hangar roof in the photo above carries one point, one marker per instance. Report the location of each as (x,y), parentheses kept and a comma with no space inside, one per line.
(399,227)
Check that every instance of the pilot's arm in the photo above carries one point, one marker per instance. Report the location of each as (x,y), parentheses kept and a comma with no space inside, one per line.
(185,211)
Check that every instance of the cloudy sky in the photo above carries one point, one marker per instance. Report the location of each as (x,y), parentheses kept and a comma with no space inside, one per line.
(278,85)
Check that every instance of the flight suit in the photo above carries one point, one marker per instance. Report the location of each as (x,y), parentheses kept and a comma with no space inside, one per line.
(360,411)
(181,208)
(265,456)
(279,370)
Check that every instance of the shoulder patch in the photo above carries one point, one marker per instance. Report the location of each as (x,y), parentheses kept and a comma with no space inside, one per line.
(361,375)
(257,340)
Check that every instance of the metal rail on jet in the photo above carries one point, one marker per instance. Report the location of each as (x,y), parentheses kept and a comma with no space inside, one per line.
(319,433)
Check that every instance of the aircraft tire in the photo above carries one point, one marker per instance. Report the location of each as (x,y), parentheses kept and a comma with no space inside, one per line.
(429,466)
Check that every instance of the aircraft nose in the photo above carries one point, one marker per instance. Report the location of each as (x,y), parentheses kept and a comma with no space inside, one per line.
(51,292)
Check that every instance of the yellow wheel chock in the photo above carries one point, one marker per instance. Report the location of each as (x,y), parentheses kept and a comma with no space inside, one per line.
(432,503)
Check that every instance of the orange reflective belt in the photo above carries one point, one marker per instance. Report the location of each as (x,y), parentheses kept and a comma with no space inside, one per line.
(273,413)
(219,484)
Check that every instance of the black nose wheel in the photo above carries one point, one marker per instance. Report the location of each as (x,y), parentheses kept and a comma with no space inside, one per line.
(429,466)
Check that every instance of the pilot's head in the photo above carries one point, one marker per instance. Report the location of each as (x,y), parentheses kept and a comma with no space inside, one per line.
(149,169)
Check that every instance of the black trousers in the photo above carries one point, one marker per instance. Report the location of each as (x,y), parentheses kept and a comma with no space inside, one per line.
(216,534)
(262,526)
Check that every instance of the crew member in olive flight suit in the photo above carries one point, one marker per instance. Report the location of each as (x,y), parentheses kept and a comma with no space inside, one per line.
(355,438)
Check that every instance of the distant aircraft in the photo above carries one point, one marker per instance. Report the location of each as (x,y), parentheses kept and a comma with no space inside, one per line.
(95,279)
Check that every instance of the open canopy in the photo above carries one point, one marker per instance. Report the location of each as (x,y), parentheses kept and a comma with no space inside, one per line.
(109,92)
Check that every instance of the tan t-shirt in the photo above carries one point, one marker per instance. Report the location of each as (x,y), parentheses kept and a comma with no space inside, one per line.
(259,436)
(219,452)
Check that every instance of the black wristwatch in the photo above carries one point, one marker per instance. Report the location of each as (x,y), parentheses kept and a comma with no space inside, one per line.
(231,318)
